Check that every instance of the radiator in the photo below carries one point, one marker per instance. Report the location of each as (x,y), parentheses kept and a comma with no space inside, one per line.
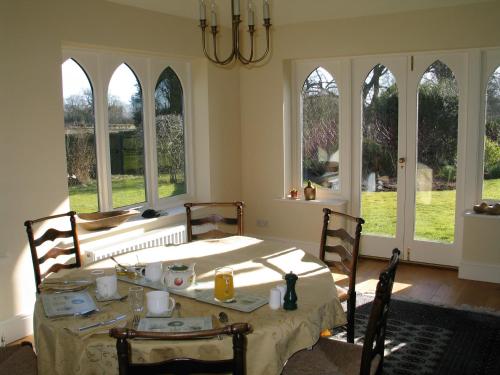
(158,237)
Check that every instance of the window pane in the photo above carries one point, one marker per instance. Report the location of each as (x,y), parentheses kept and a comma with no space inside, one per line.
(320,130)
(491,181)
(79,129)
(436,155)
(380,152)
(170,135)
(126,138)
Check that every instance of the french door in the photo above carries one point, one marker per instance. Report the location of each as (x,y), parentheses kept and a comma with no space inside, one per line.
(409,114)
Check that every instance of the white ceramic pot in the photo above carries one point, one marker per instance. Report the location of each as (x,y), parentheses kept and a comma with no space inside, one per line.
(179,276)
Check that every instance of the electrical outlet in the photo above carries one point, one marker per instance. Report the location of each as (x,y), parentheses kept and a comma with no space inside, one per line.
(262,223)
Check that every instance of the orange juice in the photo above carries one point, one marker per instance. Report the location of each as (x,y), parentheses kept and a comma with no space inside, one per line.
(224,288)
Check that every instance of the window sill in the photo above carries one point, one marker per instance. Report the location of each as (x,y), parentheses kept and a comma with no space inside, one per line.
(132,229)
(336,202)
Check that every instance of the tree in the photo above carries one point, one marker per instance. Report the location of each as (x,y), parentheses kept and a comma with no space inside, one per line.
(117,113)
(170,145)
(80,147)
(320,133)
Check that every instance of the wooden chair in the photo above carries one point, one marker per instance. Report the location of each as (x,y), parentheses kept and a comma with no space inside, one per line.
(52,234)
(19,359)
(347,249)
(334,357)
(181,366)
(214,219)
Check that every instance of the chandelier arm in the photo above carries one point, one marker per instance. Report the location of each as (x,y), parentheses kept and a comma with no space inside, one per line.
(203,41)
(242,58)
(267,47)
(216,57)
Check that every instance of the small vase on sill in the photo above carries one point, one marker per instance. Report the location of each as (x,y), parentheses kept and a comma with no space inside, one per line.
(309,192)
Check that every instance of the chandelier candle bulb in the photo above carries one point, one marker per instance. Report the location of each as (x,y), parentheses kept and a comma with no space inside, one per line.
(236,7)
(213,14)
(266,9)
(203,10)
(250,14)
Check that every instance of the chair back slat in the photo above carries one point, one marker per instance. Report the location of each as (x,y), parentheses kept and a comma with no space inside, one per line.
(349,259)
(376,329)
(183,366)
(235,365)
(52,234)
(54,253)
(211,234)
(339,265)
(341,234)
(213,219)
(56,267)
(342,252)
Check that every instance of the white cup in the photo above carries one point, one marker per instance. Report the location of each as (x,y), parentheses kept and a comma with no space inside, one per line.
(106,286)
(153,271)
(274,299)
(159,302)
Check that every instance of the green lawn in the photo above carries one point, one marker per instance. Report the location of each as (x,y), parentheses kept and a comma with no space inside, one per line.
(127,190)
(435,212)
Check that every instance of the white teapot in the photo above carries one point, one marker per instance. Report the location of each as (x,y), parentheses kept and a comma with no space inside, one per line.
(179,276)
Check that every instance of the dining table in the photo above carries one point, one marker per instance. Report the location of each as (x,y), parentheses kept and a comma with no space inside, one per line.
(258,266)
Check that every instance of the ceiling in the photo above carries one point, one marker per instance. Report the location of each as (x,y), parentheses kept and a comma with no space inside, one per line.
(295,11)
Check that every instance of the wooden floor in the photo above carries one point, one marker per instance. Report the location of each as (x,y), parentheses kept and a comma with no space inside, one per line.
(423,283)
(427,284)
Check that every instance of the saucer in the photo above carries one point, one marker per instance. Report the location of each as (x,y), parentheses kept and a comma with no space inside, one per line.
(165,314)
(114,297)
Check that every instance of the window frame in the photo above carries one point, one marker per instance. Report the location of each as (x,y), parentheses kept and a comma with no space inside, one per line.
(490,63)
(99,66)
(340,69)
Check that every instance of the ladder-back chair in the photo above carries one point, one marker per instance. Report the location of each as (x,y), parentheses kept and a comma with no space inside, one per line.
(180,366)
(214,219)
(52,234)
(335,357)
(347,248)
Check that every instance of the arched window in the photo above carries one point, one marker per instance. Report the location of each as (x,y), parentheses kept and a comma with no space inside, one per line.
(79,129)
(491,180)
(320,130)
(126,138)
(379,151)
(170,135)
(437,141)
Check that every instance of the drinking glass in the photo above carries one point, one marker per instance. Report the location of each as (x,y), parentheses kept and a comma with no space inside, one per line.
(223,284)
(136,299)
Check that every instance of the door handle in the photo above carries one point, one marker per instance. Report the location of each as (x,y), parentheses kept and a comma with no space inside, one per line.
(402,162)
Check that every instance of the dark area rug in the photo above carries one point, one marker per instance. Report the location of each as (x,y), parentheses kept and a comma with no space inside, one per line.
(428,339)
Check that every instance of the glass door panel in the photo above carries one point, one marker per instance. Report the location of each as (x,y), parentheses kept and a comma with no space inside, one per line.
(437,133)
(379,152)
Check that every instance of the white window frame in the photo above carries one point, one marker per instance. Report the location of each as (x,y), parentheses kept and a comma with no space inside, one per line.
(490,62)
(99,65)
(340,69)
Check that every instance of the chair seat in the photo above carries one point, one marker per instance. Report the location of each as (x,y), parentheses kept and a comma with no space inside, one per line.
(327,357)
(342,293)
(18,360)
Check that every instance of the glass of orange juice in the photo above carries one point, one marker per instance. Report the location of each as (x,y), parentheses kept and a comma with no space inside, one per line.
(224,287)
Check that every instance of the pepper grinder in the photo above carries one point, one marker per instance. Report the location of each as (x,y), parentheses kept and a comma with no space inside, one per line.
(290,295)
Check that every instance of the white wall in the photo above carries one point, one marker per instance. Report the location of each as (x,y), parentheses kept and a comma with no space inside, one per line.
(32,153)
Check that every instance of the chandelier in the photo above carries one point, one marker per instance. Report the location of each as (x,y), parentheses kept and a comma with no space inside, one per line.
(235,54)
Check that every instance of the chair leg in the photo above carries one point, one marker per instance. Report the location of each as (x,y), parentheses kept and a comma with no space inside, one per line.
(351,309)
